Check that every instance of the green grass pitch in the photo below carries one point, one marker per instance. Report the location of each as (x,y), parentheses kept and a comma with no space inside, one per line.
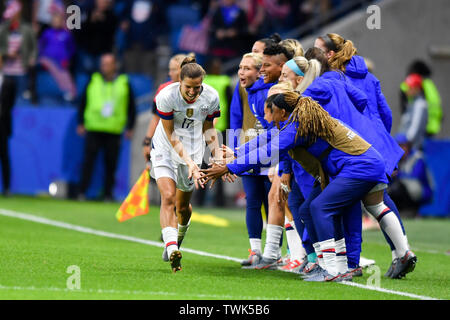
(35,258)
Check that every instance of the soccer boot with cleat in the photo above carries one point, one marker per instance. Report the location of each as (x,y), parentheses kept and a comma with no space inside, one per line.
(253,258)
(391,268)
(315,269)
(267,264)
(324,276)
(165,255)
(356,272)
(284,260)
(302,267)
(175,261)
(292,266)
(404,265)
(310,268)
(348,276)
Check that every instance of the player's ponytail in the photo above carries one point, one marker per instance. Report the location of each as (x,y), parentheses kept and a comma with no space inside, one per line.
(191,69)
(314,121)
(311,70)
(344,51)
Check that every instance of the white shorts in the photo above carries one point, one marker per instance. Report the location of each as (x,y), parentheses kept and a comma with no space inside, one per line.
(163,166)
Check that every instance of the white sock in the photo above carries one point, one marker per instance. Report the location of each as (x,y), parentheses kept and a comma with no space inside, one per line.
(170,237)
(328,248)
(319,254)
(295,243)
(391,225)
(182,229)
(273,236)
(255,244)
(341,256)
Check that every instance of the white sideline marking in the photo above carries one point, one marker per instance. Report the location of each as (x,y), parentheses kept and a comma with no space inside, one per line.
(134,292)
(30,217)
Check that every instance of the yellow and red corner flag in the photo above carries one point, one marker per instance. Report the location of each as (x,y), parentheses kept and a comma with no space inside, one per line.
(136,203)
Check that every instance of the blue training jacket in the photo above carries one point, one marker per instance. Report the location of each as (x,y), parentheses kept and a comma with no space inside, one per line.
(257,95)
(378,108)
(345,102)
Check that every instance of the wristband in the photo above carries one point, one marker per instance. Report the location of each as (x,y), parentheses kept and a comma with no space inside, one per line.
(147,141)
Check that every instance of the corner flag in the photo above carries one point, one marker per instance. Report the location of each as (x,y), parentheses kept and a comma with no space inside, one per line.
(136,203)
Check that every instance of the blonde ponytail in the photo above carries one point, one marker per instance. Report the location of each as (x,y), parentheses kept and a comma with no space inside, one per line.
(311,69)
(345,50)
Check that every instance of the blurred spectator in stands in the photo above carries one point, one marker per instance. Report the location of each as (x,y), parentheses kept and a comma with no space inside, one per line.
(106,110)
(144,22)
(431,95)
(313,9)
(410,187)
(56,50)
(5,130)
(261,44)
(18,49)
(228,31)
(414,120)
(41,16)
(96,35)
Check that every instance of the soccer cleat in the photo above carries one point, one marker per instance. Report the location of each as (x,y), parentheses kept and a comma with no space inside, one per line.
(348,276)
(267,264)
(175,261)
(165,255)
(355,272)
(314,270)
(285,260)
(253,258)
(324,276)
(303,265)
(404,265)
(292,266)
(310,267)
(391,268)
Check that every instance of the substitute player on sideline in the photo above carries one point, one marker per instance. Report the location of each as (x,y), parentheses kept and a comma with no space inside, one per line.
(187,110)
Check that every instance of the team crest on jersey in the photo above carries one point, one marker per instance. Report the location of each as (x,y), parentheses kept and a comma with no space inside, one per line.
(204,110)
(189,112)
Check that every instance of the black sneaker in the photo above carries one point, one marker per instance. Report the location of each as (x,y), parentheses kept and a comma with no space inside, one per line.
(405,264)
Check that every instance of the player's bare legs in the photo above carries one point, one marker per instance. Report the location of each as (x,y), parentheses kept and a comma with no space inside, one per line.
(184,212)
(168,221)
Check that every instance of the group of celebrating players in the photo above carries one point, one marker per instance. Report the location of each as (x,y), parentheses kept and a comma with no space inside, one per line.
(310,138)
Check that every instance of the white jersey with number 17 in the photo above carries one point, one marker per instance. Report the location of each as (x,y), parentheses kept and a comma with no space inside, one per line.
(188,120)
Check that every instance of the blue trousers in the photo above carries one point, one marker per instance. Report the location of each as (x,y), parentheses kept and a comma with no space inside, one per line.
(257,192)
(295,202)
(332,204)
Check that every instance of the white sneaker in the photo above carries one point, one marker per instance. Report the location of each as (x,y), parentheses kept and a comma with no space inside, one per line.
(364,262)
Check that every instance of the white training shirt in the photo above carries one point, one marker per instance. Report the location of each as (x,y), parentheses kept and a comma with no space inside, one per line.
(188,120)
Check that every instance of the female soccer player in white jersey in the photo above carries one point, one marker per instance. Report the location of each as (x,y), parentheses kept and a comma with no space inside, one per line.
(187,110)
